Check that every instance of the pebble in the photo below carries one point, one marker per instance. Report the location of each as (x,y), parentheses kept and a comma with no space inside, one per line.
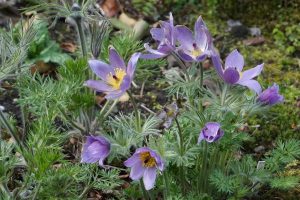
(259,149)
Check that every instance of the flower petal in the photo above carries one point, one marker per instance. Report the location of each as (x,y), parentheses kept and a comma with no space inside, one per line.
(115,59)
(94,152)
(234,60)
(251,73)
(149,178)
(185,36)
(142,149)
(126,83)
(151,56)
(216,60)
(132,160)
(157,34)
(137,171)
(114,94)
(99,86)
(132,64)
(202,57)
(185,56)
(252,84)
(100,68)
(231,76)
(202,35)
(201,137)
(149,49)
(199,24)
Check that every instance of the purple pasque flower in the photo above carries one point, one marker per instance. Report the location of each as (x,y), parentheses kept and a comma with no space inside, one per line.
(95,149)
(116,77)
(144,163)
(165,37)
(232,72)
(270,96)
(211,132)
(194,47)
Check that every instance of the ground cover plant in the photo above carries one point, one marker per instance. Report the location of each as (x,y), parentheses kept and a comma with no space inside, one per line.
(84,129)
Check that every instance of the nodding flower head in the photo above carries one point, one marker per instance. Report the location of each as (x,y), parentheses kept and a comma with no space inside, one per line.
(211,132)
(95,149)
(232,72)
(115,77)
(144,163)
(270,96)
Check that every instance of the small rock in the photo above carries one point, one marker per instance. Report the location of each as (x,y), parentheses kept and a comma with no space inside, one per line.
(254,31)
(254,41)
(231,23)
(2,108)
(259,149)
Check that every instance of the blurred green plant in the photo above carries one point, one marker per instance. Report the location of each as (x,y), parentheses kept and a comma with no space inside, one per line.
(287,37)
(42,47)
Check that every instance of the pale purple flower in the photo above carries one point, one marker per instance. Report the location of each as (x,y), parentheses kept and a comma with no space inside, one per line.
(211,132)
(116,77)
(270,96)
(232,72)
(194,47)
(95,149)
(165,37)
(144,163)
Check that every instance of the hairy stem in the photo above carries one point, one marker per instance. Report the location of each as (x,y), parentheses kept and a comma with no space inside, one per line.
(111,108)
(181,148)
(137,118)
(224,93)
(145,194)
(182,65)
(203,169)
(103,109)
(81,35)
(70,120)
(166,182)
(10,129)
(201,74)
(85,190)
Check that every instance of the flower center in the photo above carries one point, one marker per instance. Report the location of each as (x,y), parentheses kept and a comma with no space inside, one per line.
(147,159)
(196,52)
(116,80)
(241,74)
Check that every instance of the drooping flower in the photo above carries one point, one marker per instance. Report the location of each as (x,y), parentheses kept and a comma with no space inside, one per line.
(211,132)
(95,149)
(144,163)
(232,72)
(165,37)
(194,47)
(270,96)
(116,77)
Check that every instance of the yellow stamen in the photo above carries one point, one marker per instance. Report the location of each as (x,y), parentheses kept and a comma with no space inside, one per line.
(116,80)
(147,159)
(196,52)
(241,74)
